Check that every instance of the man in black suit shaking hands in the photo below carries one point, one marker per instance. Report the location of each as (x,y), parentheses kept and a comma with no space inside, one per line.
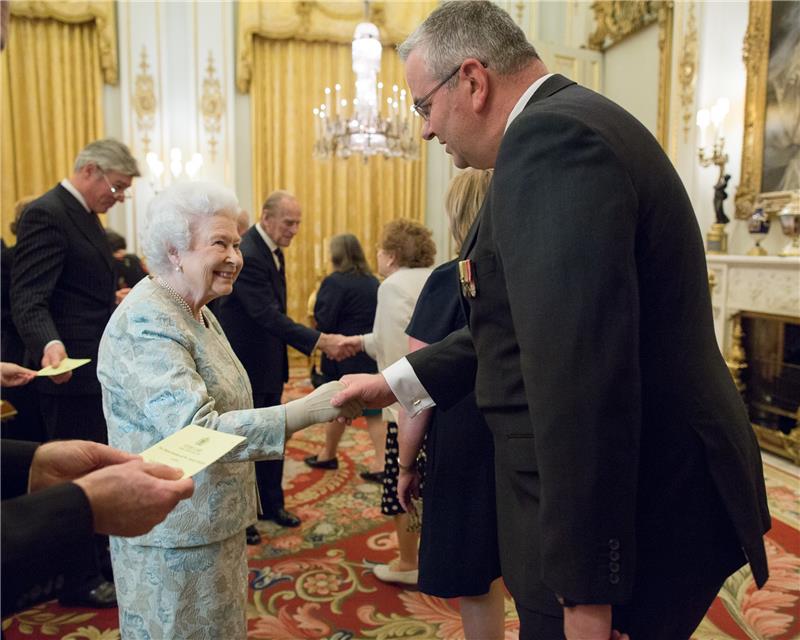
(629,482)
(255,321)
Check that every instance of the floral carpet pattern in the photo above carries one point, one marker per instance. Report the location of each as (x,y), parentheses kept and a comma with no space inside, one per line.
(316,581)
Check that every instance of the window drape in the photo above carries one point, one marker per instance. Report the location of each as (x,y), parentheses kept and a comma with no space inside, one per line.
(336,196)
(51,84)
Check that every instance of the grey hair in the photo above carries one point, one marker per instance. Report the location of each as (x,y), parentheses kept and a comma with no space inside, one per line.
(463,29)
(108,155)
(175,212)
(273,202)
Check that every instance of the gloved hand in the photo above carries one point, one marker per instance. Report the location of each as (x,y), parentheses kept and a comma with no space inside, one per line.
(316,407)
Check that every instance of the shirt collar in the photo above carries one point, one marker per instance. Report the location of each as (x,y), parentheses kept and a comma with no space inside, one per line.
(270,242)
(524,98)
(77,194)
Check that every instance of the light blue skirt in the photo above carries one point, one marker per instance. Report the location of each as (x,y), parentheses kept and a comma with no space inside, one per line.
(192,592)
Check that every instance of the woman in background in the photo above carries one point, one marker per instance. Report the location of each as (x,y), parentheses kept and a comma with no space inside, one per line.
(460,520)
(345,304)
(405,256)
(164,363)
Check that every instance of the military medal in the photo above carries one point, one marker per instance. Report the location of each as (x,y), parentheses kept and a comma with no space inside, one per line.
(466,276)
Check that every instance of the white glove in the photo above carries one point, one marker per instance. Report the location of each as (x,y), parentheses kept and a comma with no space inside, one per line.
(316,407)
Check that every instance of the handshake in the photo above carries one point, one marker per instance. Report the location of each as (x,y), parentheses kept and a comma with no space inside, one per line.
(339,347)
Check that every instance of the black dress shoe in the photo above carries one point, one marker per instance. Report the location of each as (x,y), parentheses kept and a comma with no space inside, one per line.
(283,518)
(372,476)
(252,534)
(100,594)
(314,463)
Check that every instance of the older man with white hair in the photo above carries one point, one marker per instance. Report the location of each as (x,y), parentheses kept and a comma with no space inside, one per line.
(62,295)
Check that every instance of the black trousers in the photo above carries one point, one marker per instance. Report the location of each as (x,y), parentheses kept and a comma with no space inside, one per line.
(269,473)
(675,584)
(70,417)
(79,417)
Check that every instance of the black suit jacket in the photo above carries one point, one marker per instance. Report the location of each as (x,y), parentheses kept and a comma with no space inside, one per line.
(62,285)
(41,532)
(346,304)
(255,321)
(592,351)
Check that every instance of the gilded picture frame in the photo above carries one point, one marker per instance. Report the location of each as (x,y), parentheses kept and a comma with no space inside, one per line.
(756,56)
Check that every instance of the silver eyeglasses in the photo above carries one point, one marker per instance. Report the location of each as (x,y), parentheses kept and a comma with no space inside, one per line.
(120,193)
(422,107)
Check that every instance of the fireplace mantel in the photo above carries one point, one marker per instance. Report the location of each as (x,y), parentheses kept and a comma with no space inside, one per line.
(765,284)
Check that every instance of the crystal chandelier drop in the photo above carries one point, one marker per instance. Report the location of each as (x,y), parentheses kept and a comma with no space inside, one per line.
(375,125)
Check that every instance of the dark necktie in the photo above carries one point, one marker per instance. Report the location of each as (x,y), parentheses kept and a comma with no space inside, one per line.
(281,261)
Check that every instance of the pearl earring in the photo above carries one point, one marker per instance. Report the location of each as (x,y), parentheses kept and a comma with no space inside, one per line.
(178,267)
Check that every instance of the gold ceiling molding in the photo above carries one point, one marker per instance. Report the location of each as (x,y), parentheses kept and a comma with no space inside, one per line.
(755,54)
(618,19)
(212,106)
(75,12)
(144,101)
(687,72)
(315,21)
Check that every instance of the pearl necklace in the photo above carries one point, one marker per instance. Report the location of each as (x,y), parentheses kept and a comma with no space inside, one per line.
(178,297)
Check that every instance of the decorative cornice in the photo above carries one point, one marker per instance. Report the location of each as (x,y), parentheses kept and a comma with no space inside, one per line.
(101,12)
(317,21)
(212,106)
(144,102)
(618,20)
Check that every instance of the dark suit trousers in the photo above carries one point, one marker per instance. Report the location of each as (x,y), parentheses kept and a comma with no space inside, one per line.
(269,473)
(79,417)
(70,417)
(686,546)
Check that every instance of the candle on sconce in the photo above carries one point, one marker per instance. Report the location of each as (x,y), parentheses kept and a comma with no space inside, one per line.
(338,88)
(403,110)
(718,113)
(327,98)
(703,118)
(379,103)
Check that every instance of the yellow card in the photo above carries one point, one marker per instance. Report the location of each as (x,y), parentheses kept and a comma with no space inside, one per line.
(192,448)
(67,364)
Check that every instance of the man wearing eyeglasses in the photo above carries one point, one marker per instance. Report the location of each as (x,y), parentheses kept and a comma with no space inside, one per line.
(629,482)
(63,292)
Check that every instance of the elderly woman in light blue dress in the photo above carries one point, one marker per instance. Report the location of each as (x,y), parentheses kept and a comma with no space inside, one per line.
(165,363)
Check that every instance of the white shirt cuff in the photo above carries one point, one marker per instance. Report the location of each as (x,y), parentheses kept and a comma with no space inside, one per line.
(407,388)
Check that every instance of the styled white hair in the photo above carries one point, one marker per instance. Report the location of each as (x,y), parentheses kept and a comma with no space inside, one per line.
(173,215)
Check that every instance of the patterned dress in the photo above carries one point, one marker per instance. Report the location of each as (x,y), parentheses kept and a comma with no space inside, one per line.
(161,370)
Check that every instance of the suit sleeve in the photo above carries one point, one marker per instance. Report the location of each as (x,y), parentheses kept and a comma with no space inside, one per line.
(260,302)
(28,525)
(328,306)
(38,262)
(17,456)
(447,368)
(565,214)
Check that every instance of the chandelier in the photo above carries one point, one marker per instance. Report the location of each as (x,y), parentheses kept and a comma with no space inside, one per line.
(374,125)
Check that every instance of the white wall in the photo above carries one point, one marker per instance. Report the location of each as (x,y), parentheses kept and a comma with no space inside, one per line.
(177,39)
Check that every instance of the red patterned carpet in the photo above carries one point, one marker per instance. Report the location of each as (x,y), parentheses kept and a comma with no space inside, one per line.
(316,581)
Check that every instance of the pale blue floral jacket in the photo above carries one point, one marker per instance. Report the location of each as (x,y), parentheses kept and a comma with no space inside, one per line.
(161,370)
